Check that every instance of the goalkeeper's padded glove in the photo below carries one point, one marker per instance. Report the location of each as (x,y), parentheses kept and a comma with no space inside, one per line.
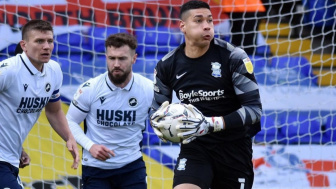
(156,118)
(191,128)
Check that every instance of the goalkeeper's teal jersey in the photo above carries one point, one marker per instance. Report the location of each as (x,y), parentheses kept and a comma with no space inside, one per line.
(24,92)
(114,117)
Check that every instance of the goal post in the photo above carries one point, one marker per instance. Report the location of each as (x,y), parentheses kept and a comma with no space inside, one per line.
(293,60)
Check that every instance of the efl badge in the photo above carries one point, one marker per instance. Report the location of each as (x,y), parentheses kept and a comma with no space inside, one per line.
(216,71)
(248,65)
(77,94)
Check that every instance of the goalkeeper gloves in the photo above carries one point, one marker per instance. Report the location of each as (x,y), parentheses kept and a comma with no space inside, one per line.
(191,128)
(156,119)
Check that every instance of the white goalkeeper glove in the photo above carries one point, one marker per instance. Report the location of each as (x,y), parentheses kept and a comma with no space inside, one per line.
(191,128)
(156,120)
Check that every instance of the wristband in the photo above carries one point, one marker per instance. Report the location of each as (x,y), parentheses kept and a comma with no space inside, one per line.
(216,123)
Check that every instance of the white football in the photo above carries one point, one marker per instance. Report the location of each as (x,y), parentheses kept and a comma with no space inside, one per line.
(172,112)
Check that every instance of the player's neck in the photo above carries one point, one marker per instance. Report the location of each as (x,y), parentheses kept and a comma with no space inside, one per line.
(38,66)
(193,51)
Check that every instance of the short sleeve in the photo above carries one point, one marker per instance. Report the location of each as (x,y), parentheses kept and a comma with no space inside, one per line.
(81,99)
(7,75)
(56,95)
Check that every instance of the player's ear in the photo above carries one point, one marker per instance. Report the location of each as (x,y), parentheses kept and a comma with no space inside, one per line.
(134,58)
(182,26)
(23,45)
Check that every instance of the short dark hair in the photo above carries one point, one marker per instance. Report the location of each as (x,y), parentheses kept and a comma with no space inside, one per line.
(193,5)
(120,39)
(36,25)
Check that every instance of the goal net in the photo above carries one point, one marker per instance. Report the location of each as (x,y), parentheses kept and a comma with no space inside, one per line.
(291,44)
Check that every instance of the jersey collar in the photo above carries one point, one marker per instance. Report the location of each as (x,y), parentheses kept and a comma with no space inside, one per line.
(110,85)
(30,67)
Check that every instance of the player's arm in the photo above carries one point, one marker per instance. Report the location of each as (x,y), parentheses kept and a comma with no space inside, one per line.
(24,159)
(247,91)
(78,111)
(59,123)
(162,98)
(75,116)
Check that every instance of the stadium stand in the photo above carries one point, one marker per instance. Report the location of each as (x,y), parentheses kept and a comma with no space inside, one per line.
(330,128)
(74,42)
(302,128)
(97,36)
(157,40)
(270,129)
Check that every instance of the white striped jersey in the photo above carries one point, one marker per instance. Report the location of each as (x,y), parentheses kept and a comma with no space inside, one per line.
(24,91)
(114,117)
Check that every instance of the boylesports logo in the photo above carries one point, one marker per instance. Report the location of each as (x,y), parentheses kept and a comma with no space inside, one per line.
(200,93)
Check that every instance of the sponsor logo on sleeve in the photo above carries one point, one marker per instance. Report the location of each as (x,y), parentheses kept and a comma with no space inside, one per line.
(3,65)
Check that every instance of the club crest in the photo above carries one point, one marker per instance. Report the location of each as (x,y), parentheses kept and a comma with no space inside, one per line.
(216,71)
(132,102)
(182,164)
(47,87)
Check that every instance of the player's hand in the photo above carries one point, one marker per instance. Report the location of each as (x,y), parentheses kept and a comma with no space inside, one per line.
(101,152)
(24,159)
(191,128)
(156,118)
(72,147)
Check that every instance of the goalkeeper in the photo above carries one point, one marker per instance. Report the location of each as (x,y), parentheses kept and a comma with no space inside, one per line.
(29,82)
(115,107)
(216,80)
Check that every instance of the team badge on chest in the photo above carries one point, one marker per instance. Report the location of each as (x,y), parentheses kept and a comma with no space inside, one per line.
(216,71)
(132,102)
(47,87)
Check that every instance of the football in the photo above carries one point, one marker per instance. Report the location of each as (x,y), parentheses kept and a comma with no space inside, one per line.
(171,114)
